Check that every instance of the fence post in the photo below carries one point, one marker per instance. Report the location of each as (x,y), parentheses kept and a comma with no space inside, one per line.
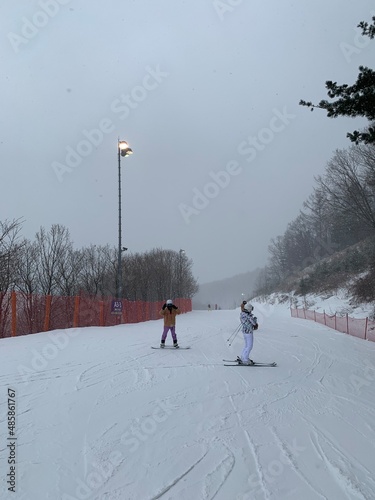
(47,313)
(76,312)
(14,313)
(366,325)
(314,315)
(347,323)
(324,316)
(335,322)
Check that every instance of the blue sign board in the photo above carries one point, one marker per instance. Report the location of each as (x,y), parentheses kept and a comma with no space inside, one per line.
(116,307)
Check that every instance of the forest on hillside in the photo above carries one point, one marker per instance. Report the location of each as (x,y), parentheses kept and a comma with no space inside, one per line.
(338,214)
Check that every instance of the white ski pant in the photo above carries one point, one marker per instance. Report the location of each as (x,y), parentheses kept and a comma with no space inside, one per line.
(249,339)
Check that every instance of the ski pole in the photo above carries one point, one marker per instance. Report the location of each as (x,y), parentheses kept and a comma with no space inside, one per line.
(239,328)
(234,334)
(235,331)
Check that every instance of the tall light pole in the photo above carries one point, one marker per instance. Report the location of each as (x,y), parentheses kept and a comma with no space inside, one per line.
(181,252)
(123,149)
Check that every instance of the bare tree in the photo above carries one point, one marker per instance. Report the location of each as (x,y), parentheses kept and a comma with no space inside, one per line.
(27,268)
(188,284)
(9,250)
(366,158)
(53,249)
(278,259)
(69,270)
(98,269)
(345,188)
(316,214)
(10,247)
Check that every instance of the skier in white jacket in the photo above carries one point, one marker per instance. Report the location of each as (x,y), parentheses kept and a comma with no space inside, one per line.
(249,324)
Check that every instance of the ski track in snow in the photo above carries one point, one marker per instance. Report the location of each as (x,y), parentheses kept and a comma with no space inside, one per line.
(177,479)
(216,478)
(294,465)
(259,467)
(338,473)
(251,445)
(338,466)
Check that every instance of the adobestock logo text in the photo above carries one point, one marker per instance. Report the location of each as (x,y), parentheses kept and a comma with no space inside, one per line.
(31,27)
(249,149)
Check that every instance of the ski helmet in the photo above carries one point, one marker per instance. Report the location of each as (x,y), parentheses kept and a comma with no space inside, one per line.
(249,307)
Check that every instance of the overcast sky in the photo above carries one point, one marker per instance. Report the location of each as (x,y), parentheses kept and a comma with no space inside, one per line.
(205,92)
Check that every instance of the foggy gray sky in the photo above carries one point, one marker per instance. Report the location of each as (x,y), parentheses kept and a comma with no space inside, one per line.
(206,93)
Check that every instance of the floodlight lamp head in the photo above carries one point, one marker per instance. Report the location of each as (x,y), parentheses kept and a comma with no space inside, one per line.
(124,148)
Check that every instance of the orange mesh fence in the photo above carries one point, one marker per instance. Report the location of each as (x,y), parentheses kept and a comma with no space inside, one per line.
(342,324)
(30,313)
(371,331)
(22,314)
(361,328)
(330,321)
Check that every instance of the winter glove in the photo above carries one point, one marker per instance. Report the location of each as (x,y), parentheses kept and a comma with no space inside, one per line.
(174,307)
(164,306)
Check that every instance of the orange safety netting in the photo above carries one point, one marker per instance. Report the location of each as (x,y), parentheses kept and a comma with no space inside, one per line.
(22,314)
(361,328)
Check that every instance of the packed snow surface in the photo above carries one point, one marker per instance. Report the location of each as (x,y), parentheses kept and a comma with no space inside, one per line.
(102,416)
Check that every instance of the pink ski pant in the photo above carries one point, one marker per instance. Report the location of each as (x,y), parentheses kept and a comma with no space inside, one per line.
(173,332)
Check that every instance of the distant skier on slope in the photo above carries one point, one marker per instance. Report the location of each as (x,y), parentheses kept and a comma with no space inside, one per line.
(169,311)
(249,323)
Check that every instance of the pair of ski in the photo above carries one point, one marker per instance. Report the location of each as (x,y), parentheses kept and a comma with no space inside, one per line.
(235,362)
